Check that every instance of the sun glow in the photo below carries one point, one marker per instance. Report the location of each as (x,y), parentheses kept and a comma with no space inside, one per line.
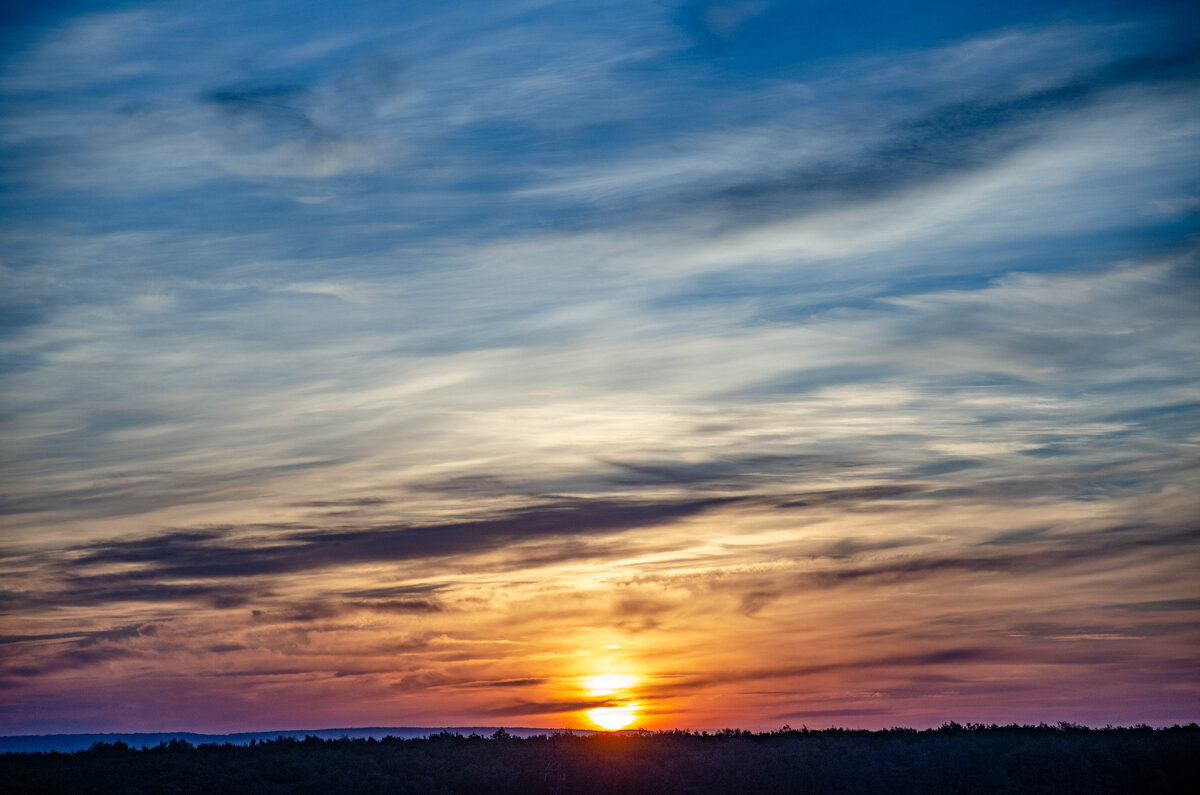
(618,711)
(608,684)
(613,718)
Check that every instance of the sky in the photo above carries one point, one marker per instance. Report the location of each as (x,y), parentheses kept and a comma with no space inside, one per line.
(597,364)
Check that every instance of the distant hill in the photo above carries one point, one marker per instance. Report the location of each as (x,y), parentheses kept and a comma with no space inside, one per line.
(79,742)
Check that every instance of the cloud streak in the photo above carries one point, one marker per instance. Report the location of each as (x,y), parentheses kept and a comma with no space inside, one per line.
(388,362)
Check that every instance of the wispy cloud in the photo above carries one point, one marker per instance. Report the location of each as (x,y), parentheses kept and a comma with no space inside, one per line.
(397,353)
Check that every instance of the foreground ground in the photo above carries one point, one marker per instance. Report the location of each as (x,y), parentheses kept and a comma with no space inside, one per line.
(952,759)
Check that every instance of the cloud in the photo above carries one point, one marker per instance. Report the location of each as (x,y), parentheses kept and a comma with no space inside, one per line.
(754,601)
(88,50)
(70,660)
(225,648)
(524,682)
(1086,549)
(271,133)
(100,589)
(84,638)
(950,656)
(320,611)
(193,555)
(442,349)
(1166,605)
(391,591)
(844,712)
(225,569)
(545,707)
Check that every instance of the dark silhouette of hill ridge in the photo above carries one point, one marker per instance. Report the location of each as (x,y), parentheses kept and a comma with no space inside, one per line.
(30,743)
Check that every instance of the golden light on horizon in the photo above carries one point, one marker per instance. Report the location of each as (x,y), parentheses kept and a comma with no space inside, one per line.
(613,718)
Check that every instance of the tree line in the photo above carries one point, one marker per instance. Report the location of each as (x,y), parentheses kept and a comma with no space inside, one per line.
(954,758)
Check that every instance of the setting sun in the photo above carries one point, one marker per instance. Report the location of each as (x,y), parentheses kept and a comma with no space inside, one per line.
(619,712)
(613,718)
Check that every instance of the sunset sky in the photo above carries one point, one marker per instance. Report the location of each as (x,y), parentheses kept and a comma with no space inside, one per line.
(595,363)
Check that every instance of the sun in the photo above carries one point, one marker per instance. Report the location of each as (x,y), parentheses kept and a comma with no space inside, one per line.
(618,710)
(613,718)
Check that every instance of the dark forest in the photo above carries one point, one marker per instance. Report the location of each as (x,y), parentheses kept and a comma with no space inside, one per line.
(950,759)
